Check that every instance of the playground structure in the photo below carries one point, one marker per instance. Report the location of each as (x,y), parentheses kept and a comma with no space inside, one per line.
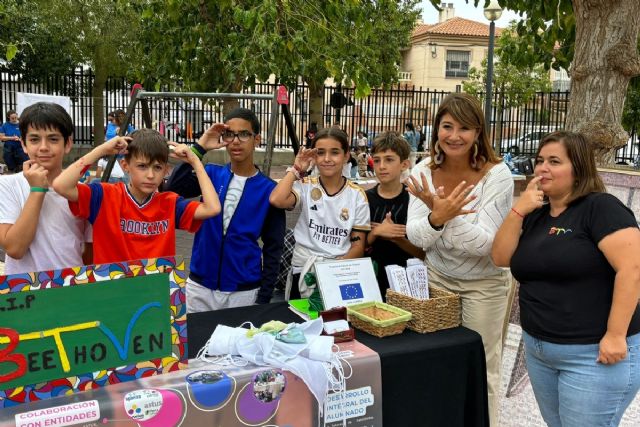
(142,97)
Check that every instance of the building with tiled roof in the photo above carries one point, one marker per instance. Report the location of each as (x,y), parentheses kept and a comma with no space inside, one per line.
(441,54)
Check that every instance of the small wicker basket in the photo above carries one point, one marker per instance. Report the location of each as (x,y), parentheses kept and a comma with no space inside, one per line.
(440,311)
(361,318)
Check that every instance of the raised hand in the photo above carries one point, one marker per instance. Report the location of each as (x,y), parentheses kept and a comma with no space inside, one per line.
(35,174)
(420,189)
(446,208)
(305,158)
(116,145)
(182,152)
(211,138)
(531,198)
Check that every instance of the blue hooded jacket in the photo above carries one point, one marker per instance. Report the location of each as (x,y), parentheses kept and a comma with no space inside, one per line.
(234,261)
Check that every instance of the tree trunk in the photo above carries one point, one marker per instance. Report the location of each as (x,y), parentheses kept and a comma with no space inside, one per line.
(605,59)
(97,92)
(316,101)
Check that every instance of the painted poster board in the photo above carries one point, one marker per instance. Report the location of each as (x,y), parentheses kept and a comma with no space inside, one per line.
(86,327)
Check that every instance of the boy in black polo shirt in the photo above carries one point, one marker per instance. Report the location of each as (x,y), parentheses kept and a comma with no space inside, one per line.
(388,203)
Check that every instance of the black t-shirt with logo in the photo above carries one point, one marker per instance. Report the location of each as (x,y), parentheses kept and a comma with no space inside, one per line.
(383,251)
(566,283)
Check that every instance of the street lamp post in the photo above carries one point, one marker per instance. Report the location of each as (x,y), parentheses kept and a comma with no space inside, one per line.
(491,12)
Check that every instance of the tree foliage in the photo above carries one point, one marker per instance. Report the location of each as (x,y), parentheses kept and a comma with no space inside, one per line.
(518,85)
(596,41)
(221,44)
(54,36)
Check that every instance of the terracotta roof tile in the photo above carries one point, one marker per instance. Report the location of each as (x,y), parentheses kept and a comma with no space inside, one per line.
(455,27)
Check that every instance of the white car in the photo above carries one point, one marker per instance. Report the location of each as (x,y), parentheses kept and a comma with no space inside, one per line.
(527,144)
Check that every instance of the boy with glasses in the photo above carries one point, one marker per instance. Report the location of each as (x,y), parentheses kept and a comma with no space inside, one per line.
(228,267)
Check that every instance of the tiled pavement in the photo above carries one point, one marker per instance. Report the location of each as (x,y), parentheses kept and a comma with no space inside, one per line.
(517,410)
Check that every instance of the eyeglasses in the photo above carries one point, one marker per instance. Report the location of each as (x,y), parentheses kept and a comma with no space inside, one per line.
(243,135)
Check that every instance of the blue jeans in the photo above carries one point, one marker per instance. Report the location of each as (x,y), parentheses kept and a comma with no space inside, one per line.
(572,390)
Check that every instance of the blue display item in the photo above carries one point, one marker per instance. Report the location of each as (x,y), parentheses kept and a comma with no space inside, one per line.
(210,389)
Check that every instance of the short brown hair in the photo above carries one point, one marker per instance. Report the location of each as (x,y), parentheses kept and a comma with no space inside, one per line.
(393,141)
(148,144)
(580,153)
(467,110)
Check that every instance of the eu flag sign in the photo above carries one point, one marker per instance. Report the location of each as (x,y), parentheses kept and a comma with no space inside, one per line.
(351,291)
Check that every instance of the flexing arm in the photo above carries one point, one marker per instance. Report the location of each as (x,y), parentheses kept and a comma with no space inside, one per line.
(210,205)
(66,184)
(17,237)
(183,180)
(617,248)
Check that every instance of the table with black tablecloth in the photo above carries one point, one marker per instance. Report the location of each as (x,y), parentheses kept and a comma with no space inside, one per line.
(436,379)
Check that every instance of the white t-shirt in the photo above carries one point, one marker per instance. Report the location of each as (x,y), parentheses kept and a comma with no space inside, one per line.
(231,199)
(325,223)
(59,237)
(116,172)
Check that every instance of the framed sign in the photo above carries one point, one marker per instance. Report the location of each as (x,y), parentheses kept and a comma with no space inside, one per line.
(346,282)
(82,328)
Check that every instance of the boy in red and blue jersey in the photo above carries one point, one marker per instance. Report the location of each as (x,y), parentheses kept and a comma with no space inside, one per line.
(134,221)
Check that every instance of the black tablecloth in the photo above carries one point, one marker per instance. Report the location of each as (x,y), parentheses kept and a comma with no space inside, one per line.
(435,379)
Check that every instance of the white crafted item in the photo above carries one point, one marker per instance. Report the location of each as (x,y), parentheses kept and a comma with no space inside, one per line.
(398,281)
(418,280)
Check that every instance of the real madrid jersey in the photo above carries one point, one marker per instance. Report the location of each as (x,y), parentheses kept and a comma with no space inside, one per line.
(326,221)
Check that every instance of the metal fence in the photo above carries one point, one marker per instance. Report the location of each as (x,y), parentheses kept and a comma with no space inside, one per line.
(181,119)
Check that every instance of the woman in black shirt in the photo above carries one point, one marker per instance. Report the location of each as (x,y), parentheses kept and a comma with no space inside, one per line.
(577,261)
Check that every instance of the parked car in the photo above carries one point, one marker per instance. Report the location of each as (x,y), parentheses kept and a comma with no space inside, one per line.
(526,144)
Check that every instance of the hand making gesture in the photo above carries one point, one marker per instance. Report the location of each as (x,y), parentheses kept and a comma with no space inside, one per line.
(305,158)
(116,145)
(387,229)
(531,198)
(443,209)
(35,174)
(211,139)
(182,152)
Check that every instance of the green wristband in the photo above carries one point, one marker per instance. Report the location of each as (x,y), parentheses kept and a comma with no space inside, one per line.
(196,152)
(39,190)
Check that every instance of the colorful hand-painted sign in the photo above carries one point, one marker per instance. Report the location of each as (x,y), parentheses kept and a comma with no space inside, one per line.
(82,328)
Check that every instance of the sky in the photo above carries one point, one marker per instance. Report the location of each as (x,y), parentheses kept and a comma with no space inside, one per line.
(468,11)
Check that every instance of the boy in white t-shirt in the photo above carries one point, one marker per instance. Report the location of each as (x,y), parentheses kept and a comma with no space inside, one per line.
(37,230)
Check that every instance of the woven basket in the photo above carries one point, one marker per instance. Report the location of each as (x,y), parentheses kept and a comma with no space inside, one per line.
(440,311)
(376,327)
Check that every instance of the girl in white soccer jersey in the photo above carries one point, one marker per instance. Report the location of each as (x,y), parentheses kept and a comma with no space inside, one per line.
(335,211)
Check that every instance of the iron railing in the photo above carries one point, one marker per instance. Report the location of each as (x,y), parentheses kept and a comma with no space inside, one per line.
(183,119)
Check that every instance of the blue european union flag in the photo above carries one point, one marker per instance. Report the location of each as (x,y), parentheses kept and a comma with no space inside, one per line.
(351,291)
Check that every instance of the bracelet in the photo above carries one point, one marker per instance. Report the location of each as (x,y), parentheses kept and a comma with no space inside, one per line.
(517,213)
(295,172)
(438,228)
(301,172)
(196,151)
(39,189)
